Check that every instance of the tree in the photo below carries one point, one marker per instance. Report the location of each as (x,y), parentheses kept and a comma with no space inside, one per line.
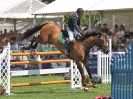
(85,20)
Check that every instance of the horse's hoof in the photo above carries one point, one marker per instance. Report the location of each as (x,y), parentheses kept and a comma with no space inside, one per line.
(86,89)
(89,85)
(95,86)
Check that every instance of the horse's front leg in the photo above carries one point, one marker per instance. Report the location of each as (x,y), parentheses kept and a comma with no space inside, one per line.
(91,80)
(80,67)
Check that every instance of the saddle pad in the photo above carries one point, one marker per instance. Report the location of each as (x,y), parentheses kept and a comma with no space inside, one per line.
(61,38)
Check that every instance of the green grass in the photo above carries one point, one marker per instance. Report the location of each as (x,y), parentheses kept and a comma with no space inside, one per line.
(58,91)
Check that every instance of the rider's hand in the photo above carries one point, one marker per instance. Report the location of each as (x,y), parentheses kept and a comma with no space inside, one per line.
(78,37)
(82,33)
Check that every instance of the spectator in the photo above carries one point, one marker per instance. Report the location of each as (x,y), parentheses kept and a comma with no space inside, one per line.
(5,33)
(11,33)
(98,28)
(105,26)
(121,33)
(1,32)
(129,38)
(116,28)
(115,41)
(121,38)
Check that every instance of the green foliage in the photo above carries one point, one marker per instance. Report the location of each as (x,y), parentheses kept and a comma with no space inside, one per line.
(66,19)
(85,19)
(94,20)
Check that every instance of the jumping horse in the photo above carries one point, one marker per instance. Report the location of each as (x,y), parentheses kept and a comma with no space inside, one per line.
(51,33)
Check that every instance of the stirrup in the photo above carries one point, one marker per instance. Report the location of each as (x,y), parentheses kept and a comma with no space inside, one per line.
(65,52)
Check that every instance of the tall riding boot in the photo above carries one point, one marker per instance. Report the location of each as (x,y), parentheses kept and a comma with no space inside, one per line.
(66,46)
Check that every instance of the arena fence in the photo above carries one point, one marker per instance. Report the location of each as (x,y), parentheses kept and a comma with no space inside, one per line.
(122,75)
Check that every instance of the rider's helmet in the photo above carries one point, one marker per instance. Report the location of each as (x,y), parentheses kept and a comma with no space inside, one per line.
(80,11)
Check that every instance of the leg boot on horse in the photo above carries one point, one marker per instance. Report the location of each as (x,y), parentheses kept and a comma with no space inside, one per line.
(85,78)
(89,79)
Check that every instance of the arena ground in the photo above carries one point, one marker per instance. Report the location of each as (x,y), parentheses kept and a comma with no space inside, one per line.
(60,91)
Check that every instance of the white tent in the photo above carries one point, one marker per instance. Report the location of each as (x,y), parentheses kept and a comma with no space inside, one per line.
(116,12)
(6,4)
(113,5)
(19,8)
(18,12)
(66,6)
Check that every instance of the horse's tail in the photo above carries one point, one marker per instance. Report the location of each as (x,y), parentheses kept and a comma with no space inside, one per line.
(31,31)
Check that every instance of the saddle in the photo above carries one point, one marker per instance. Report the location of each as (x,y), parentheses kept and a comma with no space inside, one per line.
(69,44)
(77,37)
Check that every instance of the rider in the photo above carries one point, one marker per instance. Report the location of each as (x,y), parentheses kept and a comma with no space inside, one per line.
(74,29)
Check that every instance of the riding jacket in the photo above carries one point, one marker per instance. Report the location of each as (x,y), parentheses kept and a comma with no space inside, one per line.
(74,23)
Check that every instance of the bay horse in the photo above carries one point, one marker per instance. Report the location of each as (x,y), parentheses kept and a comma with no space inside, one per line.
(51,33)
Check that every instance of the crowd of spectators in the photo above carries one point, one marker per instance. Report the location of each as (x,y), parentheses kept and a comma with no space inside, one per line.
(119,35)
(120,40)
(7,36)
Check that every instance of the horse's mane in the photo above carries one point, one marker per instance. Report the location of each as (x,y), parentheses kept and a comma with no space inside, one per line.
(88,34)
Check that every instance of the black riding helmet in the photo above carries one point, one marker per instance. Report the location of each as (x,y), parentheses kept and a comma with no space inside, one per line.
(80,10)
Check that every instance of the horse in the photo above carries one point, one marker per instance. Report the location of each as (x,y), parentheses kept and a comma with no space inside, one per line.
(51,33)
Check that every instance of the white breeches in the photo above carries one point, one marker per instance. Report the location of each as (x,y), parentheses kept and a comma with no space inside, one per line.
(71,34)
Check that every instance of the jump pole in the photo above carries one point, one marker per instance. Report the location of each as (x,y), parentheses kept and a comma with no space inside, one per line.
(36,53)
(41,83)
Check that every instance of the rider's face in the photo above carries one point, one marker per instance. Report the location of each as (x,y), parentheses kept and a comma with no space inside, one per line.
(80,14)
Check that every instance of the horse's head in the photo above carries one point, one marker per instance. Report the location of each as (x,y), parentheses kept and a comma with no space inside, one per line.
(91,39)
(102,44)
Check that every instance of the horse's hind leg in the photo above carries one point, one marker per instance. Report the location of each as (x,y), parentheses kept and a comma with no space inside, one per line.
(43,39)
